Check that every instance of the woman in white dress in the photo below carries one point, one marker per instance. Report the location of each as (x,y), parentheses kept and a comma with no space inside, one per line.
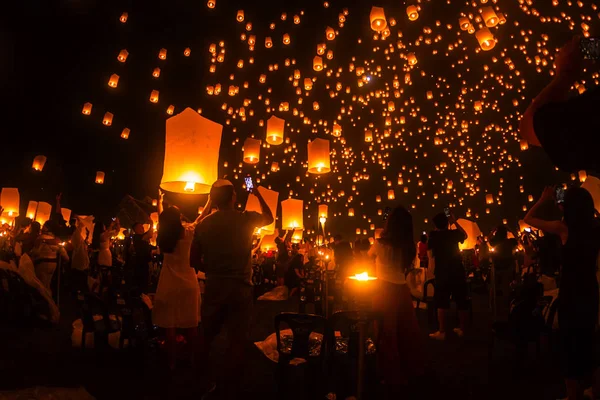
(177,300)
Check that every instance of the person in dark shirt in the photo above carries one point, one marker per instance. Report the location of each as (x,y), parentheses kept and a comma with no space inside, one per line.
(342,253)
(567,129)
(142,255)
(283,242)
(504,267)
(450,278)
(295,272)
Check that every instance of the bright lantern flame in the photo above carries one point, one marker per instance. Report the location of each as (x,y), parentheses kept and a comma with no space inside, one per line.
(190,186)
(363,277)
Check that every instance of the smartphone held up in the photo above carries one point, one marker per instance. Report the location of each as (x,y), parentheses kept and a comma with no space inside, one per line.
(249,184)
(590,48)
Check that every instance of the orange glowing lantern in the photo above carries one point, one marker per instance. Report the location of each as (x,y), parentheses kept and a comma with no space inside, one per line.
(489,199)
(39,162)
(412,12)
(286,39)
(308,84)
(268,42)
(113,81)
(275,128)
(162,54)
(251,151)
(271,198)
(582,176)
(43,212)
(192,145)
(485,39)
(292,216)
(274,166)
(87,109)
(187,52)
(99,177)
(351,213)
(125,133)
(123,54)
(10,201)
(108,118)
(240,16)
(391,194)
(154,96)
(317,63)
(124,17)
(170,109)
(524,145)
(377,17)
(464,23)
(211,3)
(489,17)
(156,72)
(31,209)
(411,58)
(319,161)
(330,33)
(337,130)
(368,136)
(323,211)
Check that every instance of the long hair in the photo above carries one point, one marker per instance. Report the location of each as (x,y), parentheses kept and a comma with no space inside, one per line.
(99,229)
(169,229)
(398,233)
(579,212)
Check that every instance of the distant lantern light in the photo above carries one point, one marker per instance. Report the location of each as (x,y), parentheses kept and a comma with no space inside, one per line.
(268,42)
(87,109)
(251,151)
(156,72)
(211,3)
(113,82)
(191,162)
(123,54)
(489,199)
(154,96)
(377,18)
(187,52)
(412,12)
(125,133)
(330,33)
(351,212)
(240,16)
(319,161)
(368,136)
(489,17)
(100,177)
(170,110)
(124,17)
(391,194)
(524,145)
(337,130)
(582,176)
(38,163)
(286,39)
(411,58)
(108,118)
(162,54)
(275,128)
(464,23)
(317,63)
(485,39)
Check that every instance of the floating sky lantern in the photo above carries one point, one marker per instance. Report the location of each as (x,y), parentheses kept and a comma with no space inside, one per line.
(275,128)
(524,145)
(31,209)
(39,162)
(123,54)
(154,96)
(211,4)
(108,119)
(377,17)
(187,52)
(125,133)
(162,54)
(329,33)
(251,151)
(99,177)
(123,17)
(191,153)
(489,199)
(582,176)
(485,39)
(10,201)
(170,110)
(43,212)
(319,161)
(412,12)
(489,17)
(271,198)
(87,109)
(240,16)
(292,214)
(113,81)
(317,63)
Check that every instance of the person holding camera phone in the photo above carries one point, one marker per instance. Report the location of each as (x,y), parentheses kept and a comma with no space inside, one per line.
(567,129)
(578,296)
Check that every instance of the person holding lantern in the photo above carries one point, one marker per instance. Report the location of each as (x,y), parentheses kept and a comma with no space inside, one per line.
(565,128)
(222,248)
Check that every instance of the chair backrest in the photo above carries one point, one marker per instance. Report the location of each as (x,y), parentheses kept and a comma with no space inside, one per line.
(302,325)
(346,322)
(92,305)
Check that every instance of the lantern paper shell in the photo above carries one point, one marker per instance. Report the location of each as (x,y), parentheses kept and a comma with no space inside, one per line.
(66,214)
(485,39)
(323,209)
(43,213)
(377,18)
(9,200)
(473,232)
(38,163)
(162,54)
(275,127)
(99,178)
(87,109)
(154,96)
(123,54)
(271,198)
(412,12)
(319,161)
(489,199)
(108,118)
(268,243)
(524,145)
(31,209)
(292,214)
(125,133)
(251,151)
(317,63)
(191,153)
(489,17)
(582,176)
(113,82)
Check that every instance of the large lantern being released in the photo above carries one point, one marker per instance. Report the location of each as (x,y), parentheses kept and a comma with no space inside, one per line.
(292,214)
(44,210)
(271,198)
(275,128)
(191,153)
(66,214)
(251,151)
(39,162)
(9,200)
(100,178)
(377,17)
(473,232)
(485,39)
(31,209)
(318,156)
(323,209)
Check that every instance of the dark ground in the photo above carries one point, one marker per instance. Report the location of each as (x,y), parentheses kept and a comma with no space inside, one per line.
(458,369)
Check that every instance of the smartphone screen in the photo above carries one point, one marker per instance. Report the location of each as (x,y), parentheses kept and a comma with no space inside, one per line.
(528,230)
(249,183)
(447,212)
(560,195)
(590,48)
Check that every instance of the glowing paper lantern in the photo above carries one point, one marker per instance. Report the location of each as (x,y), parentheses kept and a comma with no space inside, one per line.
(318,157)
(191,153)
(124,17)
(87,109)
(171,110)
(351,212)
(464,23)
(377,17)
(412,12)
(251,151)
(39,162)
(162,54)
(582,176)
(211,3)
(368,136)
(275,127)
(323,210)
(411,58)
(113,81)
(274,166)
(31,209)
(473,232)
(317,63)
(286,39)
(66,214)
(524,145)
(485,39)
(99,177)
(337,130)
(240,16)
(156,72)
(44,210)
(292,214)
(489,199)
(108,118)
(123,54)
(9,200)
(329,33)
(489,17)
(187,52)
(154,96)
(297,236)
(125,133)
(391,194)
(271,198)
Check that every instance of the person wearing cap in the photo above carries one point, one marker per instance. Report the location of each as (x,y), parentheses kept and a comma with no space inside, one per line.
(222,249)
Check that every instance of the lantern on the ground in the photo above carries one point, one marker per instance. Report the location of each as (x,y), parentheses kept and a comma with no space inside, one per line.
(191,153)
(44,210)
(87,109)
(39,162)
(292,214)
(318,156)
(412,12)
(108,118)
(489,17)
(9,200)
(251,151)
(275,127)
(99,177)
(485,39)
(377,17)
(31,209)
(271,198)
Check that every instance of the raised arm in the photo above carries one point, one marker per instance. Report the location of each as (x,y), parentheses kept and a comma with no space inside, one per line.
(555,227)
(458,227)
(205,211)
(264,208)
(161,197)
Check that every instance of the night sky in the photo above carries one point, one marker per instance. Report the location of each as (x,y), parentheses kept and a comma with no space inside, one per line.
(59,55)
